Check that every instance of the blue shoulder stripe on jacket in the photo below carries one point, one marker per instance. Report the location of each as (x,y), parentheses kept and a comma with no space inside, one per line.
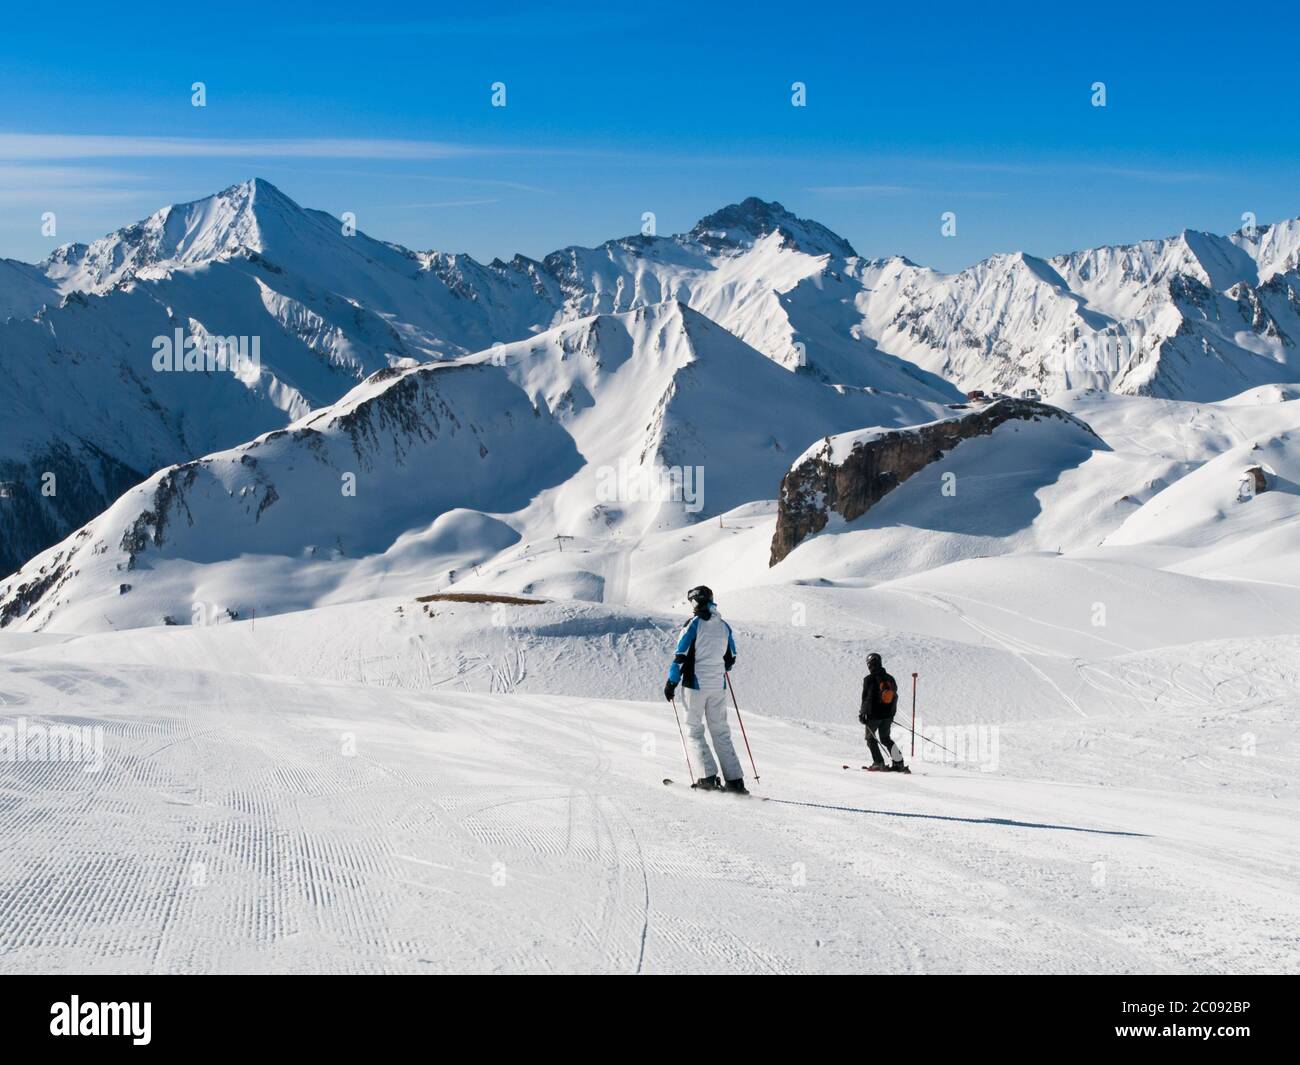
(683,646)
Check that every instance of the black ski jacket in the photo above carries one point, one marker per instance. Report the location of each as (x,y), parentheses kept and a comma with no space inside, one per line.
(874,707)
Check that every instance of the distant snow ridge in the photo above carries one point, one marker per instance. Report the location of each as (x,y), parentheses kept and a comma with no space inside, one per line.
(394,455)
(1191,317)
(331,307)
(1194,316)
(612,425)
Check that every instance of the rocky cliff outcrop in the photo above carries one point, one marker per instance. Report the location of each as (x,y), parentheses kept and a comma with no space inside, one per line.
(848,474)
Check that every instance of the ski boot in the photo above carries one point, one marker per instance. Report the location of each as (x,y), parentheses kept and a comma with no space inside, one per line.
(737,786)
(877,767)
(898,767)
(708,784)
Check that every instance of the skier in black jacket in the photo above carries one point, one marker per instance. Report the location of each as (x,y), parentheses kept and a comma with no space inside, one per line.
(879,701)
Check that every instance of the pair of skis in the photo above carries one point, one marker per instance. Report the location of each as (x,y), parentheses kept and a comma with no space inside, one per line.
(905,771)
(720,791)
(879,769)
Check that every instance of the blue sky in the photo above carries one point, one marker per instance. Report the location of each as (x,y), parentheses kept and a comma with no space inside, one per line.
(671,108)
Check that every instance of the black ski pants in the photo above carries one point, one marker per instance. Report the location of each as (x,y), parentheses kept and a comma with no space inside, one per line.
(878,728)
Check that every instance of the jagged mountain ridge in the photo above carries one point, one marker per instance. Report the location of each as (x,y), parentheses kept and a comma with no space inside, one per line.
(526,438)
(329,307)
(1156,317)
(1195,315)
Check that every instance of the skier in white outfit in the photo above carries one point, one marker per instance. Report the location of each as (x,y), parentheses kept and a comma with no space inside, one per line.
(705,653)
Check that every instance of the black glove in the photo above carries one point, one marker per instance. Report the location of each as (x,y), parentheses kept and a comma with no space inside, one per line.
(862,717)
(669,689)
(728,660)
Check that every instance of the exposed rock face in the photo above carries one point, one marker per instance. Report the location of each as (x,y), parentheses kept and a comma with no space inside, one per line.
(849,474)
(82,480)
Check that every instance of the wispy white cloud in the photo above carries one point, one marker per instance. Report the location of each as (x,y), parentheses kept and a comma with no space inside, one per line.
(853,191)
(46,186)
(55,175)
(440,203)
(1151,174)
(48,197)
(51,146)
(411,175)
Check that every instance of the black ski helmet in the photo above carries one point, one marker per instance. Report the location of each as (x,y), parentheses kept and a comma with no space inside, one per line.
(701,593)
(873,659)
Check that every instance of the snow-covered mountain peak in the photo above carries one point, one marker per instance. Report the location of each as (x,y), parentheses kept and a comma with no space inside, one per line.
(1275,248)
(1186,316)
(251,218)
(181,234)
(1216,261)
(608,424)
(1021,264)
(740,225)
(65,255)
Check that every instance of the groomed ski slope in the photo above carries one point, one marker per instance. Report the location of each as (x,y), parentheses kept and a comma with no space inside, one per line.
(320,792)
(383,784)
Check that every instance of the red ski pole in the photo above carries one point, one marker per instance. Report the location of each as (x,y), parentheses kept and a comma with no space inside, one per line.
(748,750)
(690,770)
(913,715)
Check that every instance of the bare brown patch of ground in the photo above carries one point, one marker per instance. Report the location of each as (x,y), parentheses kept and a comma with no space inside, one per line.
(477,597)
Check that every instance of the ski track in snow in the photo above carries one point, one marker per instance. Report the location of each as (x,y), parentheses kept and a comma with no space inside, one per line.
(231,830)
(1020,648)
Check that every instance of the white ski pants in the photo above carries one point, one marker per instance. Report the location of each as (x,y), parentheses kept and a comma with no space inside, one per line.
(711,707)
